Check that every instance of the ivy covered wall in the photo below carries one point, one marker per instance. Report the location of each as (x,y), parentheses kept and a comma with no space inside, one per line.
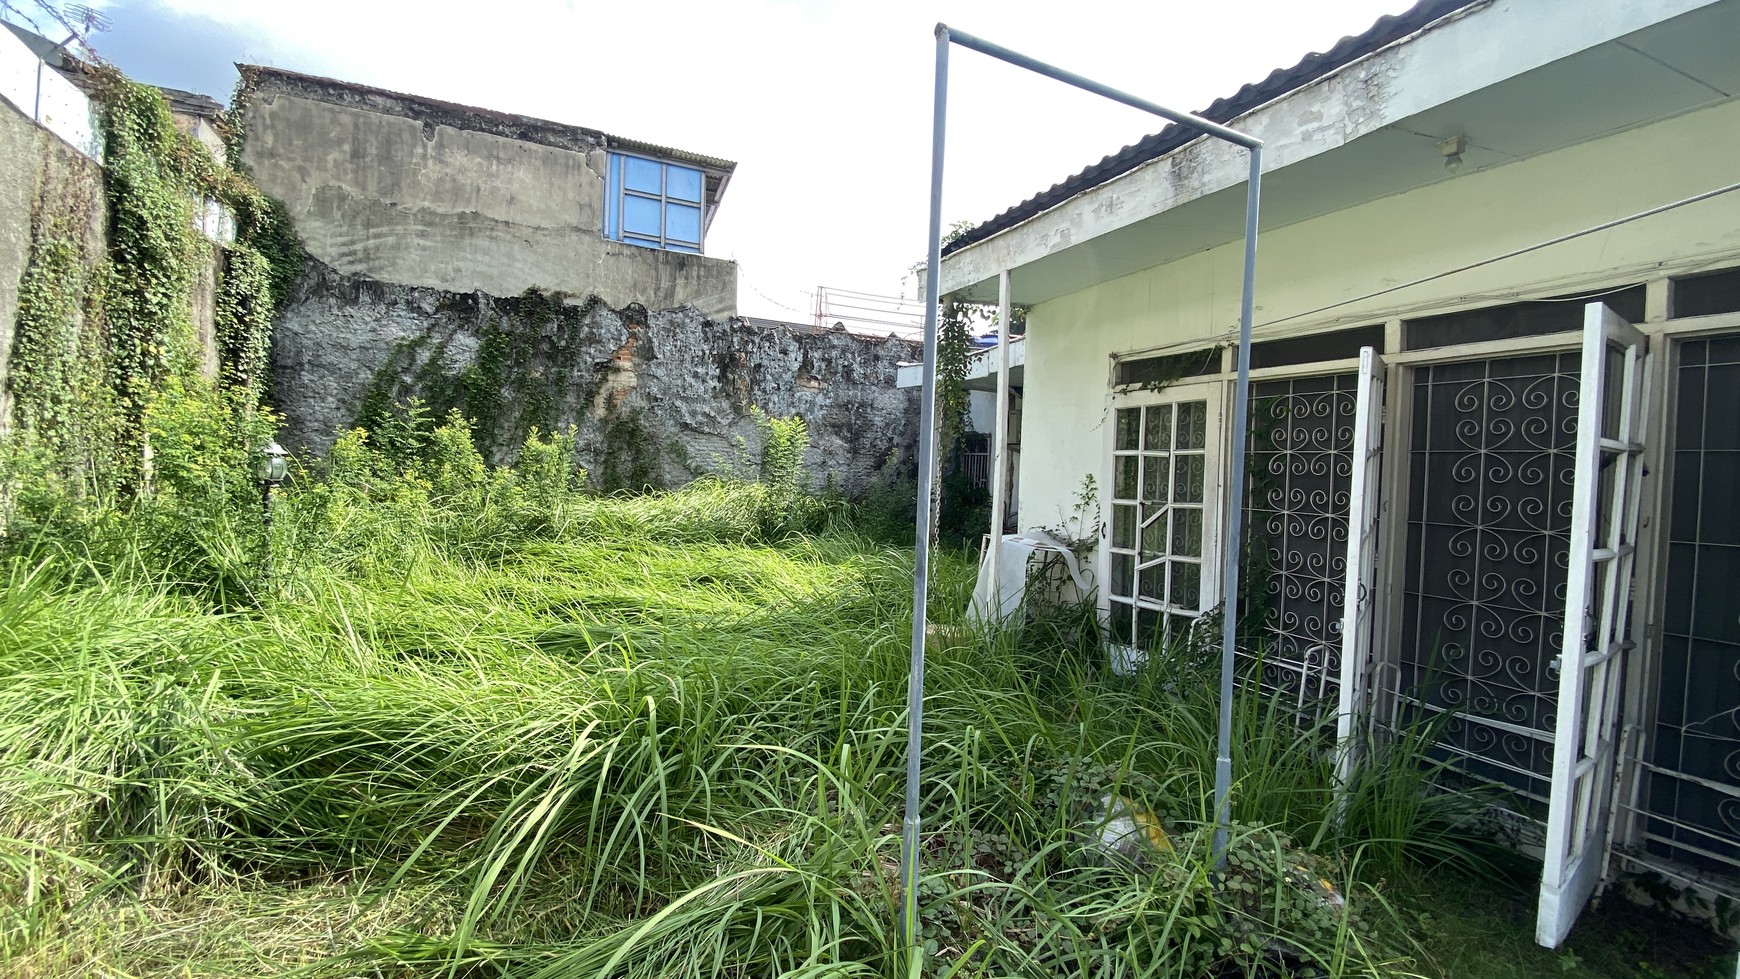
(111,293)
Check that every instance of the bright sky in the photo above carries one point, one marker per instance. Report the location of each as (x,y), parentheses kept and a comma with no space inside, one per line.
(824,106)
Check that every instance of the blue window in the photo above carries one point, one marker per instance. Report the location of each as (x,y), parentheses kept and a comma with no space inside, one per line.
(653,204)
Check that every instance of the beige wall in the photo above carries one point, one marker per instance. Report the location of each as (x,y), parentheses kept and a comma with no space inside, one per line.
(1376,246)
(425,204)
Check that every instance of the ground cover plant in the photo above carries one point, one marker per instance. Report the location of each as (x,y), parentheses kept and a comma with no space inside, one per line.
(447,720)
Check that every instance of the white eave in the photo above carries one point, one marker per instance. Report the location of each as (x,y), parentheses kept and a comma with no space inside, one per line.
(1517,77)
(981,368)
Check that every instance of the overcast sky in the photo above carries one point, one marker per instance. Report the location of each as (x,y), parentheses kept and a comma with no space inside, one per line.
(824,106)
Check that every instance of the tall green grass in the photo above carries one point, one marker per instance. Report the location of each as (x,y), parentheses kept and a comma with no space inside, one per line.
(463,727)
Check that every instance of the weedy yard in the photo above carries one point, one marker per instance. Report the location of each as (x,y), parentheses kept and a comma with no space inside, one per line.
(473,722)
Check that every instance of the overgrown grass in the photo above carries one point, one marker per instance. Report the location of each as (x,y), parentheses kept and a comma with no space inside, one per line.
(474,723)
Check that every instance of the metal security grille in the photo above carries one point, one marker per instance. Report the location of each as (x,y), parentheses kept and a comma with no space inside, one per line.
(1492,465)
(1159,500)
(1301,469)
(1691,777)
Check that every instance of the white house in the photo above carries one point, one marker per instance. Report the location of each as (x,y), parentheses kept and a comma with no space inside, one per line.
(1522,217)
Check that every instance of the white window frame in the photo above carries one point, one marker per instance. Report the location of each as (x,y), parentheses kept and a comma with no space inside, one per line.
(1212,391)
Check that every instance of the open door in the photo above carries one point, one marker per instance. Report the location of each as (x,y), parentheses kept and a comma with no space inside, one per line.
(1362,556)
(1598,616)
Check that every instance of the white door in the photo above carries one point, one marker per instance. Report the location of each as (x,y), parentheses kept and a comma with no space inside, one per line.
(1161,565)
(1612,402)
(1362,556)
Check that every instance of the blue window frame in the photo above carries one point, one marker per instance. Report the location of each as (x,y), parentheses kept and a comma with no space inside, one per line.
(653,204)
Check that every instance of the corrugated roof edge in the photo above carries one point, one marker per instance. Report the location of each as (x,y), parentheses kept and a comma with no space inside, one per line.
(1280,82)
(526,127)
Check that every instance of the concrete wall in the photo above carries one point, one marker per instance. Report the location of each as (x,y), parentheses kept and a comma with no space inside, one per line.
(672,388)
(42,178)
(1352,253)
(414,197)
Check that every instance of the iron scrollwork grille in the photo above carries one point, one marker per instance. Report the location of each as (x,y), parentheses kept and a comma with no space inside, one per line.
(1301,471)
(1692,812)
(1492,466)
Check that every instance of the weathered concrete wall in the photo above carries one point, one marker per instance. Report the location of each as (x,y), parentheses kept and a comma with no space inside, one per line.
(661,396)
(43,179)
(401,192)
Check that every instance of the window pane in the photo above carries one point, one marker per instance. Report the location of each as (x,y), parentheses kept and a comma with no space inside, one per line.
(1187,486)
(1159,434)
(1186,585)
(1124,478)
(1150,629)
(640,216)
(1187,531)
(1122,619)
(682,222)
(642,242)
(1153,582)
(682,184)
(643,175)
(1156,473)
(682,248)
(1123,526)
(1154,535)
(1123,570)
(1129,427)
(1192,424)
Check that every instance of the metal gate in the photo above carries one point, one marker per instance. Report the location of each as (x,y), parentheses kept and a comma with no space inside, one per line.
(1687,813)
(1491,470)
(1301,477)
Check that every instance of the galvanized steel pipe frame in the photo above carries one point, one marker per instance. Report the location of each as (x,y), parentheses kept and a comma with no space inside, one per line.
(927,445)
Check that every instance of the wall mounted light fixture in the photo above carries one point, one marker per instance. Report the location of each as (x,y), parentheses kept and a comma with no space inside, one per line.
(1453,148)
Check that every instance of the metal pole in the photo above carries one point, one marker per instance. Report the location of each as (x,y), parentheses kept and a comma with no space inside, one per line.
(926,463)
(1089,85)
(1235,516)
(1241,420)
(1000,446)
(266,523)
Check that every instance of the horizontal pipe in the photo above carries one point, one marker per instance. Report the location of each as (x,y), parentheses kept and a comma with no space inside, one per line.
(1089,85)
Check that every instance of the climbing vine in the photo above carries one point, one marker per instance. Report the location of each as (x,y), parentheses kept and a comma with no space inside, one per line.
(100,337)
(527,359)
(153,251)
(953,349)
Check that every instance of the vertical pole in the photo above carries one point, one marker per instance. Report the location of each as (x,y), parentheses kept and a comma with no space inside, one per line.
(1235,516)
(1000,446)
(266,486)
(926,465)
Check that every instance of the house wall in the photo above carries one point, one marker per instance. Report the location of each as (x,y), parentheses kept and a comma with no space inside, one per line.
(1353,253)
(424,202)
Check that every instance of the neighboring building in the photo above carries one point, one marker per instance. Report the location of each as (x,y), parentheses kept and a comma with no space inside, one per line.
(418,192)
(1449,189)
